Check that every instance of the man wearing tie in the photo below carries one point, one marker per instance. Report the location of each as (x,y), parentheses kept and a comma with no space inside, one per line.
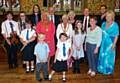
(9,28)
(86,23)
(53,17)
(86,19)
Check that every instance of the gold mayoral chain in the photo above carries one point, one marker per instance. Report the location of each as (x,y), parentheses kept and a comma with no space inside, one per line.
(65,29)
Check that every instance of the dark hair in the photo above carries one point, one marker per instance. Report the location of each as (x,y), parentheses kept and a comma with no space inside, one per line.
(93,17)
(9,12)
(63,34)
(104,6)
(26,19)
(21,12)
(29,21)
(76,28)
(38,8)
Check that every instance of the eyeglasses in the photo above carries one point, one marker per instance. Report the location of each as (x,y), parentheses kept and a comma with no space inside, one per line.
(22,15)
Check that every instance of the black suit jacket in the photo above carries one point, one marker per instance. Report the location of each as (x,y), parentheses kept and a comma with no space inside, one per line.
(57,20)
(81,17)
(32,18)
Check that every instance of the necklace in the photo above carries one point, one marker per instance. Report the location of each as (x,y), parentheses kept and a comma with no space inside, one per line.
(65,29)
(46,26)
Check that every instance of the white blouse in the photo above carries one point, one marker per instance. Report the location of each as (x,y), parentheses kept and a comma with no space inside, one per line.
(60,56)
(68,30)
(24,33)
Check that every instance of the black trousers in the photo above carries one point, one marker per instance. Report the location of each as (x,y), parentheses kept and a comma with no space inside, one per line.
(76,66)
(12,54)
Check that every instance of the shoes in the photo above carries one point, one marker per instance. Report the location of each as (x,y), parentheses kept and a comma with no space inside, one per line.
(92,74)
(40,80)
(32,70)
(46,79)
(10,66)
(63,79)
(27,70)
(50,78)
(16,65)
(78,72)
(89,72)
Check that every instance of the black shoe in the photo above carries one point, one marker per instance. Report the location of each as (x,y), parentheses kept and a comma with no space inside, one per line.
(46,79)
(27,71)
(78,71)
(40,80)
(63,79)
(74,71)
(10,66)
(16,65)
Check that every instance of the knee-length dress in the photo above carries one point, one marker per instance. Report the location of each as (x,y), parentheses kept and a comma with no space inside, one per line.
(78,40)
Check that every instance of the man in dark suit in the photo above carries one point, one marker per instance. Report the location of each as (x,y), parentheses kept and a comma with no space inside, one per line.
(85,18)
(55,18)
(102,17)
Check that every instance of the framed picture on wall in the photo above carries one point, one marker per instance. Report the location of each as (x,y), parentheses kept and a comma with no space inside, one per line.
(66,5)
(117,6)
(10,5)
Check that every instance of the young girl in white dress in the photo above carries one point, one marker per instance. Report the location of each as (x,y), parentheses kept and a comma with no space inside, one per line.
(78,39)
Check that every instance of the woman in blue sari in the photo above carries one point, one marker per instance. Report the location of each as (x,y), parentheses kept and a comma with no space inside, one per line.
(110,32)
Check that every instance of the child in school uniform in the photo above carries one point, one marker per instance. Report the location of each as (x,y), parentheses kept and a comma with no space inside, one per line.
(78,39)
(61,56)
(27,37)
(41,51)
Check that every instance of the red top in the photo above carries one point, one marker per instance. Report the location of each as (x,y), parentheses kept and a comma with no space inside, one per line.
(49,35)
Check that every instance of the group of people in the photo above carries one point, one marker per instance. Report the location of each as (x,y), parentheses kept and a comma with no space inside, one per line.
(54,42)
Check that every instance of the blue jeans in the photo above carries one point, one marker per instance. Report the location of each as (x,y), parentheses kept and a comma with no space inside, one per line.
(44,67)
(92,58)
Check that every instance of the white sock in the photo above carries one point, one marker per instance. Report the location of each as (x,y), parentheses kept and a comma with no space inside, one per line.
(63,76)
(27,69)
(32,67)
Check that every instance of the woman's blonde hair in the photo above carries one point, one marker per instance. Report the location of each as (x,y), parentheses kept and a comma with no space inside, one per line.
(44,11)
(65,16)
(71,13)
(110,12)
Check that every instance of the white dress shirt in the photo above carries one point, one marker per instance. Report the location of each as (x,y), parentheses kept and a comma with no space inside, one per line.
(24,33)
(87,22)
(52,18)
(6,29)
(60,56)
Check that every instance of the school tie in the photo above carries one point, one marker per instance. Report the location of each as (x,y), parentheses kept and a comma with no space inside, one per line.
(36,19)
(11,26)
(24,26)
(85,25)
(27,35)
(64,50)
